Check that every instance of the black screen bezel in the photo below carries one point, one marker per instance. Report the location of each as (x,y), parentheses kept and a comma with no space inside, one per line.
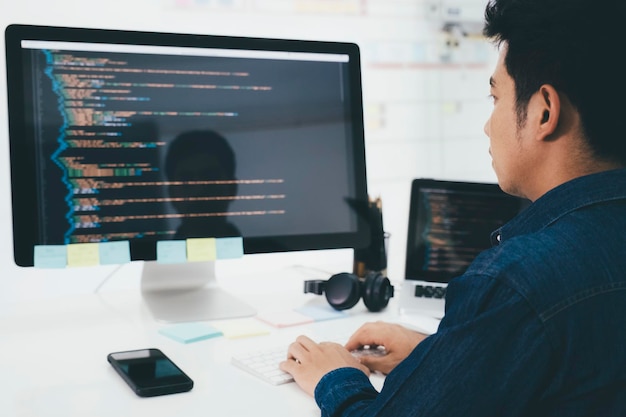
(22,156)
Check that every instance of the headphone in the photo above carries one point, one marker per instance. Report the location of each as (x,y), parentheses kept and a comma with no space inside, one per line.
(344,290)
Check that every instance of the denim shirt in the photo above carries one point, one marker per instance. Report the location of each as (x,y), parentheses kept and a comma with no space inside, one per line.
(535,327)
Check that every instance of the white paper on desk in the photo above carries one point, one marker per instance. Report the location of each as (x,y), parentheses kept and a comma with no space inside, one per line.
(284,318)
(320,313)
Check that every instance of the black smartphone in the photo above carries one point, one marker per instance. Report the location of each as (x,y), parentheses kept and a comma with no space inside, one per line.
(149,372)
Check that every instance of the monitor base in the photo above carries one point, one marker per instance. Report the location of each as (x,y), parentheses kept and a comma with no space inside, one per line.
(188,292)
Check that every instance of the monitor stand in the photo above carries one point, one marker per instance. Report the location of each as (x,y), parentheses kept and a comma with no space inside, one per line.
(188,292)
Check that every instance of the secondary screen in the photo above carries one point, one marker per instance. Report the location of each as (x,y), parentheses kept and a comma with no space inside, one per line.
(452,227)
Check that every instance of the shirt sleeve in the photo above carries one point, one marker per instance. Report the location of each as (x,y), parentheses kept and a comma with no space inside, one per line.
(490,357)
(342,389)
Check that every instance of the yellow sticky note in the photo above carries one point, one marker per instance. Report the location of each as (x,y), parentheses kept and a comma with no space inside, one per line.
(237,328)
(83,254)
(201,249)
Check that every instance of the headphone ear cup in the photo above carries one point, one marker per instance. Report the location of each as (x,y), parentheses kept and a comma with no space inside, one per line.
(377,291)
(343,291)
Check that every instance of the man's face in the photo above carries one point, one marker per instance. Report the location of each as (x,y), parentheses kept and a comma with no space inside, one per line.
(506,138)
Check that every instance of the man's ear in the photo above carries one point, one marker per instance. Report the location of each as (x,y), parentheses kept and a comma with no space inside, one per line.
(548,105)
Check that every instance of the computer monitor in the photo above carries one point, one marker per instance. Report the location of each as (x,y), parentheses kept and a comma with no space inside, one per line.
(148,137)
(450,223)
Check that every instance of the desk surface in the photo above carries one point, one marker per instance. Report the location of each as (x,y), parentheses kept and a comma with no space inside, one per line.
(53,356)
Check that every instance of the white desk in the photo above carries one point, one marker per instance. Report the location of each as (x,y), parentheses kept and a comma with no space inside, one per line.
(53,355)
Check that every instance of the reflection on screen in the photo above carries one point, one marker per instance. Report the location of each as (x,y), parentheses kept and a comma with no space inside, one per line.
(151,144)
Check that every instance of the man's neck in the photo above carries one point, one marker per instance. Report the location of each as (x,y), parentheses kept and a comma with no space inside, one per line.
(558,177)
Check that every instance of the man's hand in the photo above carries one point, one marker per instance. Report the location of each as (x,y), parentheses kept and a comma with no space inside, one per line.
(308,361)
(397,340)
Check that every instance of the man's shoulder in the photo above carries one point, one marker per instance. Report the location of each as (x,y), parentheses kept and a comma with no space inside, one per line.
(580,255)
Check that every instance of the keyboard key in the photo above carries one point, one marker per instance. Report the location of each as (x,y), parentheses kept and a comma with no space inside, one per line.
(264,364)
(440,292)
(430,291)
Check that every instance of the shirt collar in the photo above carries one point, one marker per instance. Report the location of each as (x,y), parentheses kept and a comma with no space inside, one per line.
(563,199)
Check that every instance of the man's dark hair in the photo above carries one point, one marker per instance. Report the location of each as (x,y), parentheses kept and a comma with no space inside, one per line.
(575,46)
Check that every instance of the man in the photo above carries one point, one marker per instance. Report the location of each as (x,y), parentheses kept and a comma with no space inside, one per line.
(537,324)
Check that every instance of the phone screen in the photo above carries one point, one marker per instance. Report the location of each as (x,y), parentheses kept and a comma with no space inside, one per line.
(149,372)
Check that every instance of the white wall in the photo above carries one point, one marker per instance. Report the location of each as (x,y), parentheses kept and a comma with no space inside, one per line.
(425,102)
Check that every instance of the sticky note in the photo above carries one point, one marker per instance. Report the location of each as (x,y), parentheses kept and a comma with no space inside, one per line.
(114,252)
(190,332)
(284,318)
(238,328)
(83,254)
(50,256)
(320,313)
(229,247)
(171,251)
(201,249)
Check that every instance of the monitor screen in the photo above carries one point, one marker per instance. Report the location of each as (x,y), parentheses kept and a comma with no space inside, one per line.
(450,223)
(145,137)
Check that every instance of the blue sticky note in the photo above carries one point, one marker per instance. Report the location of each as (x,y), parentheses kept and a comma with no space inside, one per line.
(171,251)
(50,256)
(229,247)
(190,332)
(320,313)
(114,252)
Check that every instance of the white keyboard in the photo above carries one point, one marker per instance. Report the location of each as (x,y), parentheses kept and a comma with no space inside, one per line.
(265,363)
